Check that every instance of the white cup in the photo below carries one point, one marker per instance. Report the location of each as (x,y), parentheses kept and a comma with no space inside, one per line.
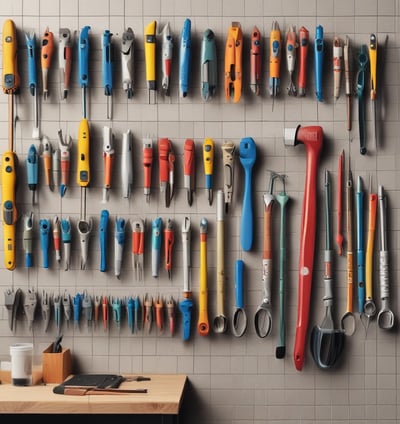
(21,364)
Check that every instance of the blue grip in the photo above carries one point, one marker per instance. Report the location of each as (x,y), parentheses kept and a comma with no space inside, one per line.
(103,239)
(130,307)
(28,260)
(83,58)
(32,77)
(107,63)
(32,166)
(239,265)
(156,234)
(65,231)
(319,59)
(45,228)
(208,181)
(120,230)
(186,307)
(185,58)
(77,307)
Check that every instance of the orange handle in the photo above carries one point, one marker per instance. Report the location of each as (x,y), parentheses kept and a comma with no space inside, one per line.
(108,162)
(47,49)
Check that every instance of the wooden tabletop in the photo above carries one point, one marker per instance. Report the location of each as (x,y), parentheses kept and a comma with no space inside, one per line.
(164,396)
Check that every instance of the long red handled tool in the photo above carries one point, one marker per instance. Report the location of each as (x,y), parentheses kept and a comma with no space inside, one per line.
(312,138)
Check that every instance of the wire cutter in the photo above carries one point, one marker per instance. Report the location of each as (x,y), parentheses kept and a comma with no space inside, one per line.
(119,241)
(127,61)
(167,49)
(233,63)
(208,69)
(169,239)
(166,166)
(65,60)
(65,147)
(138,248)
(255,61)
(189,169)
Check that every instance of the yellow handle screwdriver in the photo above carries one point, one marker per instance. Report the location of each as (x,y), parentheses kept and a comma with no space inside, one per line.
(9,161)
(150,57)
(83,167)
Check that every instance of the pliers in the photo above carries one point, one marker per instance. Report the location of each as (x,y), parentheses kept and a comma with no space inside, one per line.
(138,247)
(233,63)
(166,165)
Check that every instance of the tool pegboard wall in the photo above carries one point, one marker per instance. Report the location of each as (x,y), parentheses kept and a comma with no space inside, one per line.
(262,181)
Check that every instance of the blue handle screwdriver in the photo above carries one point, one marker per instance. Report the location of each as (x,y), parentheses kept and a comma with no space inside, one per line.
(107,68)
(319,60)
(104,216)
(32,170)
(185,54)
(45,230)
(32,80)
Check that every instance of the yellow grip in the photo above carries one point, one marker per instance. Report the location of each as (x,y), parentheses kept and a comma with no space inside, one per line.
(373,53)
(208,156)
(83,170)
(9,209)
(203,324)
(373,198)
(150,54)
(11,79)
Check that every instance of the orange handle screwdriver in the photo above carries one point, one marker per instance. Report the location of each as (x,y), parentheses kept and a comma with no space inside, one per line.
(46,55)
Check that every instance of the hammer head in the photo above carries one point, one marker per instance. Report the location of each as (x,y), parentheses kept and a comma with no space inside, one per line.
(311,136)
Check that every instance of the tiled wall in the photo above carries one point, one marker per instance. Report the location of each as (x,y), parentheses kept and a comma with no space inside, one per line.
(231,379)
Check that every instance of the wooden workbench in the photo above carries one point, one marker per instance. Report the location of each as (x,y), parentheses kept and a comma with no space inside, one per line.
(164,397)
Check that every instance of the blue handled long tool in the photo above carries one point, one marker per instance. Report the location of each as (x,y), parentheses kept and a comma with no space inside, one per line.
(239,318)
(360,246)
(45,231)
(185,54)
(83,63)
(247,155)
(32,170)
(108,69)
(156,235)
(319,61)
(104,218)
(208,68)
(119,241)
(28,239)
(66,241)
(32,80)
(363,60)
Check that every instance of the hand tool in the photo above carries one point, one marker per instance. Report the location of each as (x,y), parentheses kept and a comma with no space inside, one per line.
(108,69)
(166,159)
(189,168)
(156,235)
(362,59)
(385,314)
(147,166)
(150,58)
(32,75)
(220,323)
(127,164)
(30,305)
(46,309)
(255,61)
(337,66)
(56,167)
(326,341)
(12,300)
(129,311)
(159,310)
(282,198)
(169,239)
(66,240)
(312,138)
(65,61)
(170,305)
(83,63)
(119,241)
(103,229)
(45,231)
(247,156)
(239,318)
(228,156)
(46,55)
(166,64)
(96,315)
(65,156)
(373,58)
(138,248)
(87,308)
(348,80)
(360,246)
(84,230)
(208,162)
(275,45)
(303,52)
(77,307)
(104,312)
(28,239)
(46,153)
(56,238)
(32,170)
(339,234)
(128,61)
(209,66)
(369,305)
(136,309)
(9,163)
(57,348)
(147,313)
(186,304)
(348,321)
(319,61)
(291,52)
(203,326)
(233,63)
(82,391)
(108,161)
(116,307)
(66,302)
(185,57)
(263,316)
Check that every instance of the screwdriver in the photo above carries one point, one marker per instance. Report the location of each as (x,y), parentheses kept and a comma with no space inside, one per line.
(169,238)
(189,169)
(127,61)
(107,68)
(65,61)
(208,161)
(147,166)
(150,58)
(46,55)
(32,170)
(83,63)
(10,83)
(185,54)
(31,48)
(274,61)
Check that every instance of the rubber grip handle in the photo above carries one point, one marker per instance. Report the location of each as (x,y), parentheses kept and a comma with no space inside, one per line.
(103,239)
(203,325)
(83,58)
(247,224)
(186,307)
(239,266)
